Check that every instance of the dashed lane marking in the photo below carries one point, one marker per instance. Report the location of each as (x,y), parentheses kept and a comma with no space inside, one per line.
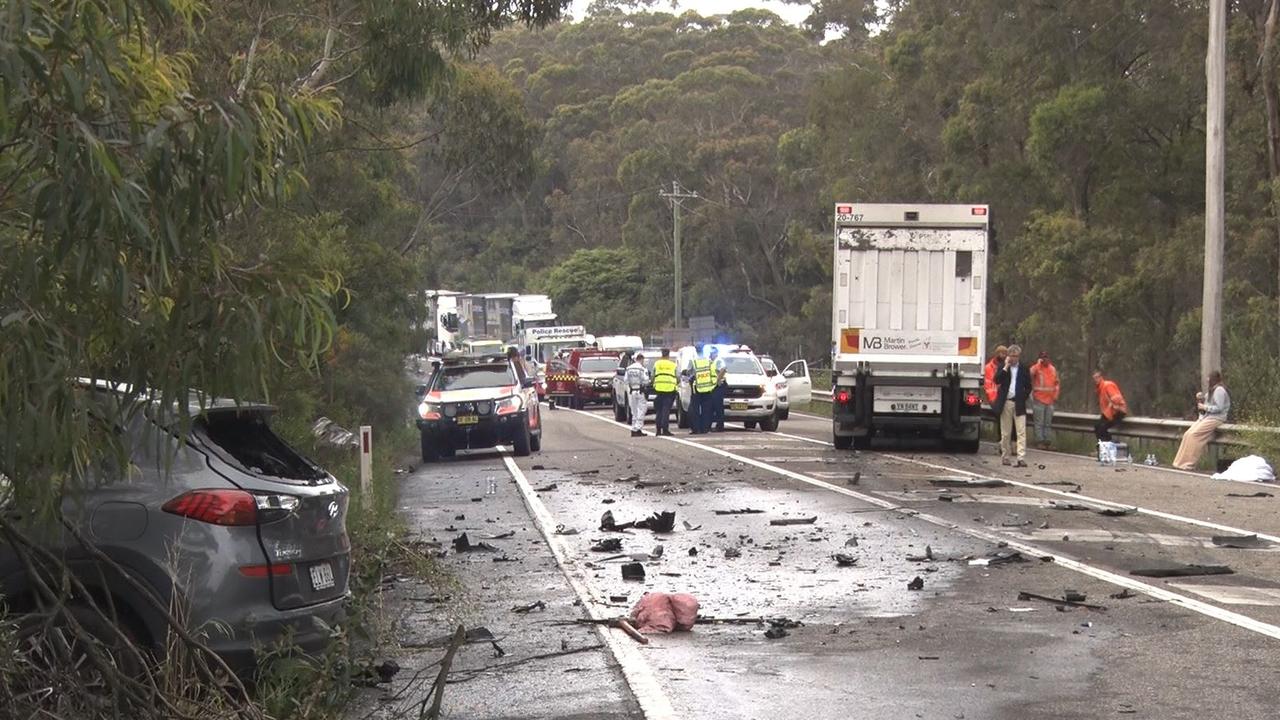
(635,669)
(1197,606)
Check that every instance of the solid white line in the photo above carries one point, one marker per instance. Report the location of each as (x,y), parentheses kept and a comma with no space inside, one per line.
(1242,621)
(1227,529)
(635,669)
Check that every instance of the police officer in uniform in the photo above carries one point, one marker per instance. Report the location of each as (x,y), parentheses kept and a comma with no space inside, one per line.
(665,382)
(704,388)
(636,377)
(717,395)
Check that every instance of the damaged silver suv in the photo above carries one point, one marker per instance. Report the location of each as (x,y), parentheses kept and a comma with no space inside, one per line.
(243,536)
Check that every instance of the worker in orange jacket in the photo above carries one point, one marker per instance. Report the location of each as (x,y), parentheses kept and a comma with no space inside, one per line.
(1045,387)
(996,362)
(1112,405)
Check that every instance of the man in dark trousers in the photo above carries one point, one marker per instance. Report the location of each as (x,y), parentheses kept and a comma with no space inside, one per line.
(1013,381)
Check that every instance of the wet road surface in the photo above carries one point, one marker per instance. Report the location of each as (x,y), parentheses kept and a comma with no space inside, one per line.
(963,646)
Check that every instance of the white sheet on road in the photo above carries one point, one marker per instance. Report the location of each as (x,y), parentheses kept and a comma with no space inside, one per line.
(1251,468)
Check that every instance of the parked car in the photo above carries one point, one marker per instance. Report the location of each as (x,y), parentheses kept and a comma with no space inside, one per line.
(621,405)
(794,386)
(584,377)
(750,397)
(478,402)
(231,526)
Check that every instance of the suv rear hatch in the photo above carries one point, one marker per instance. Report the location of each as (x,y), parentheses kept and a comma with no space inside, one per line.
(308,548)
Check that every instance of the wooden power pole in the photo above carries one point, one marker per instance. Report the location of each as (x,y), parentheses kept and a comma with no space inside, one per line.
(1214,178)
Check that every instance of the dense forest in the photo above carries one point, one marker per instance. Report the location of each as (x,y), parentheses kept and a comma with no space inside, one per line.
(1081,123)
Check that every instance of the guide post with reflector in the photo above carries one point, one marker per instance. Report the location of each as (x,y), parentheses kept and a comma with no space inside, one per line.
(366,460)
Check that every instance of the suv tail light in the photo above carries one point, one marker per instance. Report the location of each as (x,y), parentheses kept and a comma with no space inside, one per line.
(971,398)
(843,397)
(231,507)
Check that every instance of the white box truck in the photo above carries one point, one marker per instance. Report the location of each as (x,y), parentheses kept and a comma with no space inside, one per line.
(909,321)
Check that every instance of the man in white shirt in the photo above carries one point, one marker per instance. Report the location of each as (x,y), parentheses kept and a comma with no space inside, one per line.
(636,377)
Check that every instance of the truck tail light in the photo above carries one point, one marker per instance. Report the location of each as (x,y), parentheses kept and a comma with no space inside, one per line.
(971,398)
(843,397)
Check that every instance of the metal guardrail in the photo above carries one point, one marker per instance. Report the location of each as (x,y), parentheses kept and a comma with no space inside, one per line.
(1137,427)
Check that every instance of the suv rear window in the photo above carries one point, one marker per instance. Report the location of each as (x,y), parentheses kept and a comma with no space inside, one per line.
(246,437)
(471,377)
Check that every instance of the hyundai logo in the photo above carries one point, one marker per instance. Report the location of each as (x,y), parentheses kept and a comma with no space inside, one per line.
(333,509)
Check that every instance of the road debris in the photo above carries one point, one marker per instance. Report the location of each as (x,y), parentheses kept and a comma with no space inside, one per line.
(1183,571)
(539,605)
(967,482)
(690,526)
(742,511)
(562,530)
(794,521)
(463,544)
(1074,596)
(1242,542)
(1061,602)
(585,472)
(659,612)
(609,545)
(1117,512)
(693,552)
(608,524)
(916,585)
(732,552)
(857,478)
(546,488)
(926,557)
(630,478)
(633,572)
(1258,494)
(845,560)
(776,633)
(1000,557)
(851,542)
(1124,594)
(659,522)
(502,536)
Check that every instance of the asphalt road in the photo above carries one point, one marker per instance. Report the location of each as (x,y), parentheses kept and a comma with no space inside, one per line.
(964,646)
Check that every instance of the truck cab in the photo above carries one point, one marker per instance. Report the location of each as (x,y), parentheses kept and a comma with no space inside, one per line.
(908,324)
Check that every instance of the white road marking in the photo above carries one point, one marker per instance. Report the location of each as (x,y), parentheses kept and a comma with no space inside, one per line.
(635,669)
(1234,594)
(1116,536)
(1124,581)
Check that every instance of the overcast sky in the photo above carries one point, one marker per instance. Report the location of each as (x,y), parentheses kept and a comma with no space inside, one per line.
(791,13)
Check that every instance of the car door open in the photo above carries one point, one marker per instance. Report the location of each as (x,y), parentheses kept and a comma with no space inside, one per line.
(799,385)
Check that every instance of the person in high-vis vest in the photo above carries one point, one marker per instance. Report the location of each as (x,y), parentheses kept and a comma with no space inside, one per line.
(989,373)
(635,378)
(716,422)
(665,384)
(703,393)
(1045,387)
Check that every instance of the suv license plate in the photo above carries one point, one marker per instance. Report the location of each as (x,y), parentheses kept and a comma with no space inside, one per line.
(468,419)
(321,576)
(737,406)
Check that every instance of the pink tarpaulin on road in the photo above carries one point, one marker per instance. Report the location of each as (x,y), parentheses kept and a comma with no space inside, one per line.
(665,612)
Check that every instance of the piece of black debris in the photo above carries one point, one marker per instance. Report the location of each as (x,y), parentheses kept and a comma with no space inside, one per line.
(732,552)
(785,623)
(1242,542)
(608,524)
(1183,571)
(1062,603)
(585,472)
(659,522)
(539,605)
(845,560)
(1059,505)
(502,536)
(609,545)
(1124,594)
(463,544)
(928,657)
(926,557)
(690,526)
(1074,596)
(479,499)
(1004,557)
(948,497)
(742,511)
(794,521)
(857,478)
(633,572)
(776,633)
(537,467)
(693,551)
(618,598)
(608,501)
(917,584)
(506,558)
(966,482)
(546,488)
(459,517)
(1117,512)
(1258,494)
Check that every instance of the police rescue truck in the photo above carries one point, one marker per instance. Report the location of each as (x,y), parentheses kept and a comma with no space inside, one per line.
(909,319)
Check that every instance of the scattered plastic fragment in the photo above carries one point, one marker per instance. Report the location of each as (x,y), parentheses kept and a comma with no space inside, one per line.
(917,584)
(1183,571)
(463,544)
(845,560)
(1242,542)
(794,521)
(611,545)
(633,572)
(742,511)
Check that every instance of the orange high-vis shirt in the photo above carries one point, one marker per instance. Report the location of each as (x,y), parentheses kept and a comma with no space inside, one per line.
(1044,383)
(989,380)
(1110,401)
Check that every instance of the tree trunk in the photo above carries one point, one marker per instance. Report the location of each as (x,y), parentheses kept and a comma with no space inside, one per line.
(1271,96)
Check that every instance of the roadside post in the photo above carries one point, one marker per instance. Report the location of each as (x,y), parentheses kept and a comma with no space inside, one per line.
(366,461)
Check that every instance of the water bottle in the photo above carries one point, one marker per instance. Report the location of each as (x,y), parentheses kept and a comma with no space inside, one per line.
(1151,460)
